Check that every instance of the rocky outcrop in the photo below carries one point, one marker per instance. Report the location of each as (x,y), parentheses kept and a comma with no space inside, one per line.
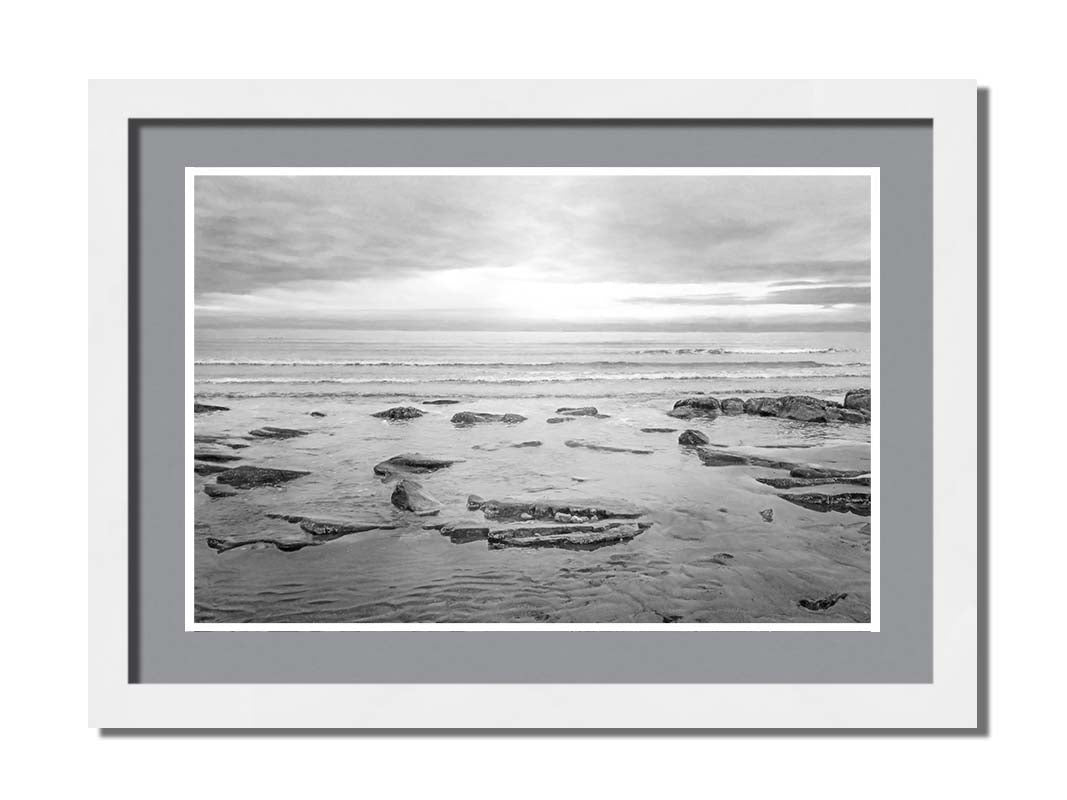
(822,603)
(802,408)
(412,463)
(732,406)
(714,457)
(311,533)
(478,418)
(334,529)
(858,400)
(692,438)
(271,432)
(399,412)
(546,509)
(248,477)
(846,502)
(409,495)
(577,537)
(205,408)
(213,490)
(603,448)
(690,407)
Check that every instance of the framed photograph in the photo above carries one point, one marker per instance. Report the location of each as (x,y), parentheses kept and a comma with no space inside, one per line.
(490,404)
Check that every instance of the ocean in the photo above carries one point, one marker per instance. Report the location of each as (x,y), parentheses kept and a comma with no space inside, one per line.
(710,555)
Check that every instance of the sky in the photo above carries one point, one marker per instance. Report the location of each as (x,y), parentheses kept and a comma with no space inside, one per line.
(508,252)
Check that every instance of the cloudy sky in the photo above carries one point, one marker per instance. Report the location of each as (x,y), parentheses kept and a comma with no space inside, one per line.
(534,252)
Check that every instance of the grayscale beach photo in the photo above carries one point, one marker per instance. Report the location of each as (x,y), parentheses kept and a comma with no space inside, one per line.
(532,398)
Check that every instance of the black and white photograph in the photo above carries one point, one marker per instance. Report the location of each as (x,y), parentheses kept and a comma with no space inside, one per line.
(563,398)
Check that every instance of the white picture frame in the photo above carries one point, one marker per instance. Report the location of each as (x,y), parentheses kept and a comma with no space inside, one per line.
(951,701)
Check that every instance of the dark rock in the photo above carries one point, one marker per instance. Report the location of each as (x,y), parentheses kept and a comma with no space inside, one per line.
(209,469)
(690,407)
(491,447)
(548,508)
(585,411)
(476,418)
(215,458)
(846,502)
(797,483)
(474,502)
(721,559)
(822,603)
(767,514)
(858,400)
(762,406)
(317,414)
(248,477)
(802,408)
(658,430)
(293,518)
(204,408)
(720,458)
(812,471)
(557,420)
(692,438)
(336,528)
(271,432)
(578,537)
(399,412)
(409,495)
(214,490)
(603,448)
(439,402)
(732,406)
(462,531)
(415,463)
(848,415)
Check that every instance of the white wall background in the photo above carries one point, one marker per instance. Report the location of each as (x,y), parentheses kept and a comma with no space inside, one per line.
(50,49)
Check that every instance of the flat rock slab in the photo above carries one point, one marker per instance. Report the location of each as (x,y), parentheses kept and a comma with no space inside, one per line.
(440,402)
(811,471)
(575,537)
(271,432)
(725,458)
(658,430)
(846,502)
(210,469)
(215,456)
(546,509)
(213,490)
(248,477)
(205,408)
(478,418)
(413,463)
(493,447)
(312,532)
(603,448)
(584,411)
(558,420)
(797,483)
(400,412)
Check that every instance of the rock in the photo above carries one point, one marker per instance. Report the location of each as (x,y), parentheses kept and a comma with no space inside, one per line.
(812,471)
(547,509)
(493,447)
(525,516)
(846,502)
(316,414)
(415,463)
(214,490)
(557,420)
(857,417)
(762,406)
(797,483)
(209,469)
(476,418)
(585,411)
(692,438)
(215,458)
(720,458)
(271,432)
(409,495)
(204,408)
(336,528)
(858,400)
(822,603)
(767,514)
(560,517)
(311,533)
(439,402)
(802,408)
(577,537)
(463,531)
(603,448)
(658,430)
(248,477)
(399,412)
(721,559)
(474,502)
(732,406)
(690,407)
(293,518)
